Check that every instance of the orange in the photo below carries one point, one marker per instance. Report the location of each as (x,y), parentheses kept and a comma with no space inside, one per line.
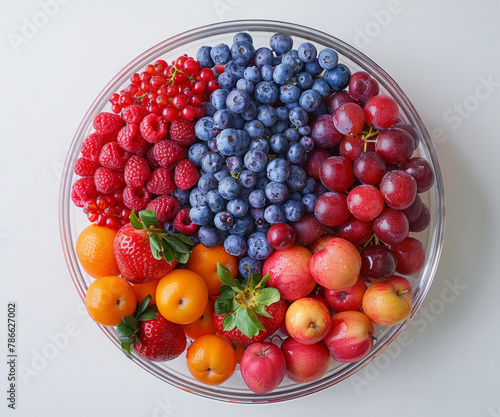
(143,290)
(204,260)
(94,249)
(204,324)
(238,349)
(110,298)
(210,359)
(181,296)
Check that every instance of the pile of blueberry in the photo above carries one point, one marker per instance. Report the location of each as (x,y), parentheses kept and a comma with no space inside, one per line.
(254,138)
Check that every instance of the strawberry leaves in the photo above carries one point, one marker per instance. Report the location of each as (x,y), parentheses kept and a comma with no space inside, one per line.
(243,302)
(170,247)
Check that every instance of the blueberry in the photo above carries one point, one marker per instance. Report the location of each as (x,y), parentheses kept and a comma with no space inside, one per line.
(281,43)
(282,113)
(223,173)
(322,87)
(276,192)
(212,162)
(223,220)
(237,122)
(328,58)
(254,128)
(253,75)
(235,245)
(338,77)
(297,179)
(223,235)
(244,142)
(215,201)
(263,56)
(307,143)
(242,52)
(266,92)
(196,152)
(209,109)
(279,127)
(200,215)
(282,73)
(237,207)
(278,170)
(235,69)
(292,134)
(304,80)
(255,160)
(212,145)
(245,192)
(293,210)
(222,119)
(292,105)
(208,236)
(181,195)
(258,246)
(220,54)
(237,101)
(304,130)
(249,113)
(273,214)
(204,128)
(257,198)
(242,226)
(258,214)
(308,201)
(292,58)
(228,142)
(309,186)
(226,80)
(242,36)
(295,196)
(234,164)
(229,188)
(262,182)
(197,197)
(249,265)
(313,68)
(245,85)
(267,72)
(203,57)
(248,179)
(218,98)
(169,228)
(289,93)
(322,109)
(207,182)
(279,143)
(310,100)
(307,52)
(298,116)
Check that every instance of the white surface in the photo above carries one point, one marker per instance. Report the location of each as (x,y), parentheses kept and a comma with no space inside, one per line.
(445,363)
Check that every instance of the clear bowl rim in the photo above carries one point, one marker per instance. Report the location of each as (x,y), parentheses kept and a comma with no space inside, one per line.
(228,27)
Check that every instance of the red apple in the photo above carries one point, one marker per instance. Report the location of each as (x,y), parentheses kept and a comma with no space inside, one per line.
(350,338)
(319,298)
(289,271)
(350,299)
(390,302)
(308,320)
(262,367)
(320,243)
(337,265)
(305,363)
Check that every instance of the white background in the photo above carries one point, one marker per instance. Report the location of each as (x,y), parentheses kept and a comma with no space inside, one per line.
(441,53)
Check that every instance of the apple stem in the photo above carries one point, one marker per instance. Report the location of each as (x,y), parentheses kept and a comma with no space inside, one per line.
(403,292)
(264,351)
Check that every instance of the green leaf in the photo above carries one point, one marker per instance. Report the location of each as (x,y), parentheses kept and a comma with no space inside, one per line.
(131,322)
(226,278)
(177,245)
(182,258)
(126,340)
(260,309)
(268,296)
(183,238)
(254,280)
(148,315)
(229,322)
(123,330)
(126,349)
(135,222)
(148,218)
(168,252)
(143,306)
(262,283)
(224,288)
(155,252)
(255,320)
(225,303)
(244,323)
(155,242)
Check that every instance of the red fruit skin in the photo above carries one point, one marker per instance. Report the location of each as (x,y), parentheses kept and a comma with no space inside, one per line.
(113,156)
(350,299)
(82,190)
(166,153)
(381,111)
(107,180)
(85,167)
(108,124)
(324,132)
(166,207)
(135,260)
(134,114)
(314,160)
(153,128)
(277,310)
(130,139)
(161,182)
(410,256)
(159,340)
(137,171)
(182,132)
(92,145)
(186,174)
(308,229)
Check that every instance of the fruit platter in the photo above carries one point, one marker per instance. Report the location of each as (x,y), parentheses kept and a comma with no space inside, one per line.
(252,211)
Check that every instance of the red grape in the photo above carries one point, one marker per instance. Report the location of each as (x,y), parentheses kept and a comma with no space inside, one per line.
(369,168)
(365,202)
(337,99)
(377,262)
(281,236)
(411,130)
(314,160)
(419,169)
(414,210)
(355,231)
(336,173)
(324,132)
(410,256)
(394,145)
(421,222)
(399,189)
(353,146)
(381,111)
(331,208)
(349,119)
(391,226)
(362,86)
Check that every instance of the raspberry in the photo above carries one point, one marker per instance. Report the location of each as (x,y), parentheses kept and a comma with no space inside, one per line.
(91,146)
(186,175)
(130,139)
(143,150)
(165,206)
(108,124)
(134,114)
(83,190)
(167,152)
(182,132)
(137,171)
(85,167)
(152,161)
(107,181)
(136,198)
(160,182)
(183,223)
(153,128)
(113,156)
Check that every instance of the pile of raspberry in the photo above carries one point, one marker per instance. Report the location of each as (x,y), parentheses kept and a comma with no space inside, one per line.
(136,158)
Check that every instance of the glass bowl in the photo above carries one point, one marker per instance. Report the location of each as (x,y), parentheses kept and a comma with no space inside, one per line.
(72,220)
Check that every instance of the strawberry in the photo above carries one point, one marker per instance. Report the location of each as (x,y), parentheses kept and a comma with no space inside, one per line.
(247,312)
(151,335)
(145,252)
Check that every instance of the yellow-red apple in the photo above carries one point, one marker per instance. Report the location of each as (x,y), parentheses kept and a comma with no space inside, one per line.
(305,363)
(307,320)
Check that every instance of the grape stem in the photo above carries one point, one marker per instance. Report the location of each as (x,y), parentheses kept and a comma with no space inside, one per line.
(367,135)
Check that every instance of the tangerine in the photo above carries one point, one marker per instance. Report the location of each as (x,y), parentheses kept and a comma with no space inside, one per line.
(94,249)
(210,359)
(204,261)
(110,298)
(143,290)
(204,324)
(181,296)
(238,349)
